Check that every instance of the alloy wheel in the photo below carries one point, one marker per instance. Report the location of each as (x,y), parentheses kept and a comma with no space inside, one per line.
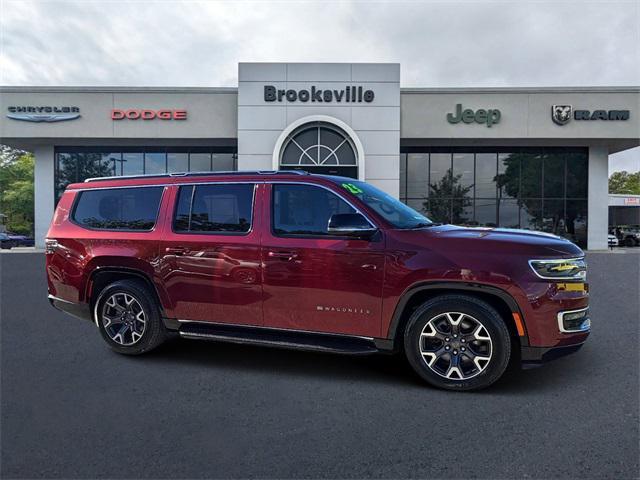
(123,319)
(455,346)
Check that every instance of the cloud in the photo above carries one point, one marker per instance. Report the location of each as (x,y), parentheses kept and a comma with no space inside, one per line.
(170,43)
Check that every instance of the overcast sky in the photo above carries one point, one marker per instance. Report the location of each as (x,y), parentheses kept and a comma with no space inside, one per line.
(189,43)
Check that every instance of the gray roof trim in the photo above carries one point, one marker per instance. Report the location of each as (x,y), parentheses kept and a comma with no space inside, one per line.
(628,89)
(96,89)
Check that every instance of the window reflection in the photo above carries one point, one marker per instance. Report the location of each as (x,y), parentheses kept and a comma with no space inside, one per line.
(132,163)
(486,175)
(531,214)
(508,213)
(75,164)
(417,174)
(223,162)
(200,162)
(486,212)
(508,180)
(177,162)
(530,188)
(155,162)
(554,180)
(553,217)
(440,170)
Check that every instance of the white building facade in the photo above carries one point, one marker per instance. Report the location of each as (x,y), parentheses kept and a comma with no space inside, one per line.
(533,158)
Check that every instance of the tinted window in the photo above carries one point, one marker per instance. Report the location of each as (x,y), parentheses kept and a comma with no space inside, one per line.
(118,208)
(305,209)
(214,208)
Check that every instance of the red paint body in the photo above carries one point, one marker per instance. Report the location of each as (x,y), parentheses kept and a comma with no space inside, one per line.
(344,286)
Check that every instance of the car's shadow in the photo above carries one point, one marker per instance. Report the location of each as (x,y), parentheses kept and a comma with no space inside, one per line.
(378,368)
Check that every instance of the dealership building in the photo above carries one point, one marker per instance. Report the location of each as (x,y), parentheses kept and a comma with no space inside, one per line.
(533,158)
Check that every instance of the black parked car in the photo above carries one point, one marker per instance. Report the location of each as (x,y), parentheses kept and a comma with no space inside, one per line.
(6,242)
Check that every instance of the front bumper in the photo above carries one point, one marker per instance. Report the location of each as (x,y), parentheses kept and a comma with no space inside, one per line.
(535,356)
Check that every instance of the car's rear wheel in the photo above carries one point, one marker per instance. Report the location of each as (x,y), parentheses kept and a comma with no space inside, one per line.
(629,242)
(128,317)
(457,342)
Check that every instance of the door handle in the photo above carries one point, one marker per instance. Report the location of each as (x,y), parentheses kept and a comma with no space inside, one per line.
(175,250)
(284,255)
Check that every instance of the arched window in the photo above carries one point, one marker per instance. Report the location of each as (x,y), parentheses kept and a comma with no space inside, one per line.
(318,144)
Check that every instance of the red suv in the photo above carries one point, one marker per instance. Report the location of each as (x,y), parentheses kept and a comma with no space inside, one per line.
(311,262)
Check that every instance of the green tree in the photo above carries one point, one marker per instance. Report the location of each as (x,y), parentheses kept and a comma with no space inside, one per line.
(624,183)
(441,207)
(16,189)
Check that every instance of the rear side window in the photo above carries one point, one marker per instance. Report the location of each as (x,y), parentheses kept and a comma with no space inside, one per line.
(222,208)
(118,208)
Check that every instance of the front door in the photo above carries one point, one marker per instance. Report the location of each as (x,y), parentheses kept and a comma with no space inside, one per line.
(314,281)
(210,254)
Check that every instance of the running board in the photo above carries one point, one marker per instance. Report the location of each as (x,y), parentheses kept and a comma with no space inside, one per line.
(318,342)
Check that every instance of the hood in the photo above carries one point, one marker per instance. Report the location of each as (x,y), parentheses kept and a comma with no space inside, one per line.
(494,240)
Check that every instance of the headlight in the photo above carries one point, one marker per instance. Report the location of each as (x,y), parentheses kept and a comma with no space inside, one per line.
(562,269)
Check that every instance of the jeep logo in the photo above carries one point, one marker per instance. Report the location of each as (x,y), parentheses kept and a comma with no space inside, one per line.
(487,117)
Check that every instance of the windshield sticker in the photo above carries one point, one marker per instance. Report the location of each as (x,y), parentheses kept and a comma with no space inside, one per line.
(352,188)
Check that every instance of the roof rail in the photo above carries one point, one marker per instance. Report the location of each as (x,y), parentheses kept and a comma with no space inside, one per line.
(198,174)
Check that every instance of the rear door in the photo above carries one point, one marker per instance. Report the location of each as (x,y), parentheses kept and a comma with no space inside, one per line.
(210,253)
(314,281)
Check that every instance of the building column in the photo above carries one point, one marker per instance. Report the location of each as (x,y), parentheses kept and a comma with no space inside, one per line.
(598,202)
(43,186)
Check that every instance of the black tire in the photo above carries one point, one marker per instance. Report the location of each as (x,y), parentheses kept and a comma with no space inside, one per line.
(629,242)
(476,313)
(154,332)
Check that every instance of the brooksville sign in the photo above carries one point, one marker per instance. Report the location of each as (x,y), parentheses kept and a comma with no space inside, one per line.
(350,94)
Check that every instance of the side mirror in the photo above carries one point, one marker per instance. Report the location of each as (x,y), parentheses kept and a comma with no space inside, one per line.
(350,224)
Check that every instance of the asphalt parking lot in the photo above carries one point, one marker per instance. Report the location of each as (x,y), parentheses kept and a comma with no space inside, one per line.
(73,409)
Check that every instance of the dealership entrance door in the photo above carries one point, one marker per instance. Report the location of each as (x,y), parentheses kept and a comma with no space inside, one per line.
(322,148)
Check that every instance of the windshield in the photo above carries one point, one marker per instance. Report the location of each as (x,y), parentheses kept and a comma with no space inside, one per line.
(391,209)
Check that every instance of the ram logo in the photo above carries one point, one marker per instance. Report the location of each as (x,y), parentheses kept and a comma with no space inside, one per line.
(561,114)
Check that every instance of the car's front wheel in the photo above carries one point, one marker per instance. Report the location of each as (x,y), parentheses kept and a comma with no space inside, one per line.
(457,342)
(128,317)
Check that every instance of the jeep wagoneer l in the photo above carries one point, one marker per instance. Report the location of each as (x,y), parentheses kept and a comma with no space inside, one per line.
(311,262)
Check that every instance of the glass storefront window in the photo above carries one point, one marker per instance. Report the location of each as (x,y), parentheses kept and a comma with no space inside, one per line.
(199,162)
(553,217)
(508,179)
(132,163)
(508,213)
(155,162)
(530,174)
(531,188)
(417,171)
(554,174)
(223,162)
(486,212)
(75,164)
(486,175)
(531,214)
(439,173)
(177,162)
(577,174)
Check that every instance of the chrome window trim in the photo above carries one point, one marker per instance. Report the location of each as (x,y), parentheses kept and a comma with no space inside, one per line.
(561,324)
(556,260)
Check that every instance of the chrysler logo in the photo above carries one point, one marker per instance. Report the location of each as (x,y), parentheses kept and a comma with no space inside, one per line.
(43,114)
